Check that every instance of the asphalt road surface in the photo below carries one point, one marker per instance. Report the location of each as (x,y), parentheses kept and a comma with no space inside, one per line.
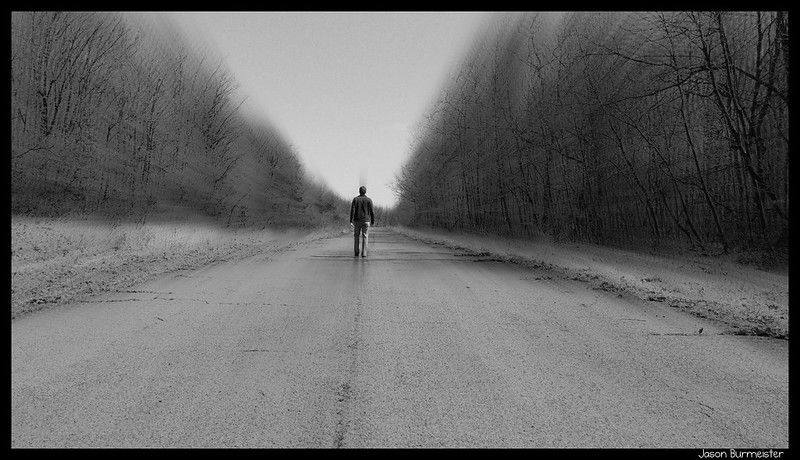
(416,345)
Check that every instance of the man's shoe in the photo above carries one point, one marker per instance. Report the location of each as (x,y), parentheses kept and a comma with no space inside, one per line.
(363,255)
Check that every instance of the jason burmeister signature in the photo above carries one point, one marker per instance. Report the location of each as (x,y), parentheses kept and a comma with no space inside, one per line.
(741,453)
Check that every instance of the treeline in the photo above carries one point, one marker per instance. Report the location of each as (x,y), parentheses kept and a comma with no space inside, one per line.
(385,216)
(114,116)
(613,128)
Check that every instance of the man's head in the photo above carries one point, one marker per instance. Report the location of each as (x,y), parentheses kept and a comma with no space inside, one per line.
(362,190)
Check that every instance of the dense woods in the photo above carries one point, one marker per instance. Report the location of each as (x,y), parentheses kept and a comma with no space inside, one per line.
(612,128)
(117,117)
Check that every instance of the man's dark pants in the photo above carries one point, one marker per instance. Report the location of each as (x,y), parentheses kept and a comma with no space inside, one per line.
(360,230)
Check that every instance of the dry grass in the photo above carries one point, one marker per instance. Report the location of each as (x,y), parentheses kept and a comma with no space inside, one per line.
(59,260)
(750,301)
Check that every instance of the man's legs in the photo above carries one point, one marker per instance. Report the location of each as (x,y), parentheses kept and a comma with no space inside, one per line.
(356,236)
(365,237)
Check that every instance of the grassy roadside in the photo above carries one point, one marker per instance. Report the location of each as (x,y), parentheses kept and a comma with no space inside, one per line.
(55,261)
(747,300)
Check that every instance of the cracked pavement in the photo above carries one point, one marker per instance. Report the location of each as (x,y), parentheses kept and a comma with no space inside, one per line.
(416,345)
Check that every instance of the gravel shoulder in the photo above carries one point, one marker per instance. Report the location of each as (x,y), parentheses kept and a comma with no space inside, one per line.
(56,261)
(743,299)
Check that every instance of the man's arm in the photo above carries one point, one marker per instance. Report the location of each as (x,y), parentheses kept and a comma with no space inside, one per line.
(371,214)
(352,210)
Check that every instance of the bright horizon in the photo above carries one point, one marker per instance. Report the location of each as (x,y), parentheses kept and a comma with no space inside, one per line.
(344,88)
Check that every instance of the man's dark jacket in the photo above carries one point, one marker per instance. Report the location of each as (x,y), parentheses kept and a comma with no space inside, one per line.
(361,210)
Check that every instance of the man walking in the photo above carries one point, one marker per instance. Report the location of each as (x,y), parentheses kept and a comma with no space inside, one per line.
(361,218)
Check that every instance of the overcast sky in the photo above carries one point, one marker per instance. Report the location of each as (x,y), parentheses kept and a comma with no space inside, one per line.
(345,88)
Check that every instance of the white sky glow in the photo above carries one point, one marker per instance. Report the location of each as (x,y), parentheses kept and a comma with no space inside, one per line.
(344,88)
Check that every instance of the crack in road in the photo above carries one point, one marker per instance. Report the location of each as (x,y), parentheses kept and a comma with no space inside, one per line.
(172,299)
(344,392)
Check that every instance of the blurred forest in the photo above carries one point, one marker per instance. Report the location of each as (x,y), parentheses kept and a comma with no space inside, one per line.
(116,117)
(633,129)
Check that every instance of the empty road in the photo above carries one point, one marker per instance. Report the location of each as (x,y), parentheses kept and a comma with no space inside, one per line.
(416,345)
